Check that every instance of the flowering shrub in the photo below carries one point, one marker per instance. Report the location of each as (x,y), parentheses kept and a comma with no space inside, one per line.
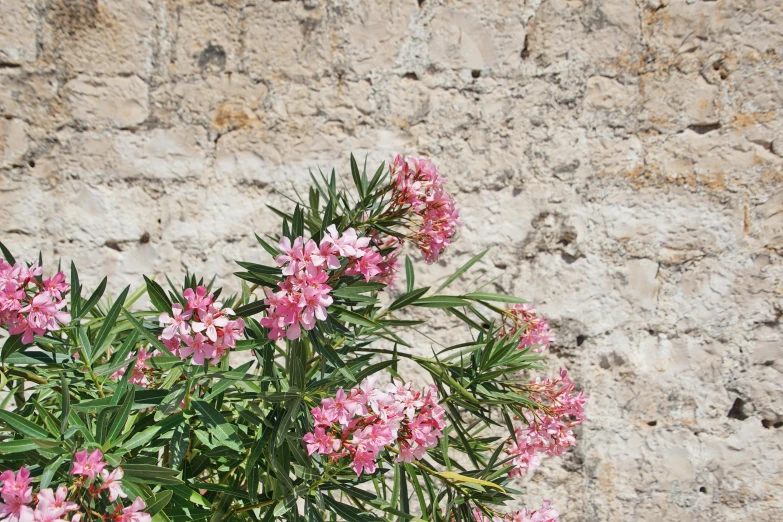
(284,401)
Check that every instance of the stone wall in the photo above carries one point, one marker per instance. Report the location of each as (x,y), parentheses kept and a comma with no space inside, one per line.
(621,158)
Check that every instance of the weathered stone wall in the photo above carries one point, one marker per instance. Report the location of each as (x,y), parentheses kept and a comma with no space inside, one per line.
(622,158)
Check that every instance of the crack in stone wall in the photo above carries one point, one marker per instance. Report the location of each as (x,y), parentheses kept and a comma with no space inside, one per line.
(622,159)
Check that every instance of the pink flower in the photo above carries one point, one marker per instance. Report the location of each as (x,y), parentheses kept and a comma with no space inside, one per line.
(56,285)
(88,465)
(368,420)
(232,331)
(52,506)
(140,369)
(16,494)
(321,441)
(547,431)
(112,482)
(418,186)
(535,328)
(210,323)
(134,513)
(177,322)
(198,347)
(545,514)
(363,461)
(341,408)
(198,299)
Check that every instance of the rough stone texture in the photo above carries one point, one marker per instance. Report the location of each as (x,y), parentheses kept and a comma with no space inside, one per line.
(622,158)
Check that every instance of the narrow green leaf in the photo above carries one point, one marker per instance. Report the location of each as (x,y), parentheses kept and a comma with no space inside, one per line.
(356,175)
(250,309)
(354,318)
(11,345)
(121,417)
(273,251)
(217,425)
(108,322)
(464,268)
(498,298)
(17,446)
(150,474)
(408,298)
(441,301)
(7,254)
(410,278)
(21,425)
(158,502)
(92,301)
(50,469)
(158,296)
(151,338)
(76,291)
(66,403)
(179,444)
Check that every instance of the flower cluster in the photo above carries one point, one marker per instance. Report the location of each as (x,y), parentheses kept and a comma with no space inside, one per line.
(545,514)
(141,369)
(29,306)
(303,296)
(360,423)
(535,328)
(418,185)
(19,504)
(202,329)
(548,430)
(390,263)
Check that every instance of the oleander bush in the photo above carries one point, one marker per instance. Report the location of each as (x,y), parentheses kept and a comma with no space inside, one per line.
(115,411)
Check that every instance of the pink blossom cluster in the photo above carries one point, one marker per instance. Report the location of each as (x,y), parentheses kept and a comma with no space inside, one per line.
(548,429)
(535,328)
(20,504)
(546,514)
(361,423)
(202,329)
(29,307)
(390,263)
(419,187)
(141,369)
(303,296)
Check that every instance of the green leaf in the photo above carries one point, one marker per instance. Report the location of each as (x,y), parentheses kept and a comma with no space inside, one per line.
(158,296)
(291,410)
(11,345)
(92,301)
(50,469)
(273,251)
(121,417)
(21,425)
(108,323)
(357,177)
(179,444)
(441,301)
(498,298)
(408,298)
(250,309)
(456,477)
(151,338)
(66,403)
(354,318)
(348,512)
(464,268)
(158,502)
(76,291)
(150,474)
(217,425)
(7,254)
(17,446)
